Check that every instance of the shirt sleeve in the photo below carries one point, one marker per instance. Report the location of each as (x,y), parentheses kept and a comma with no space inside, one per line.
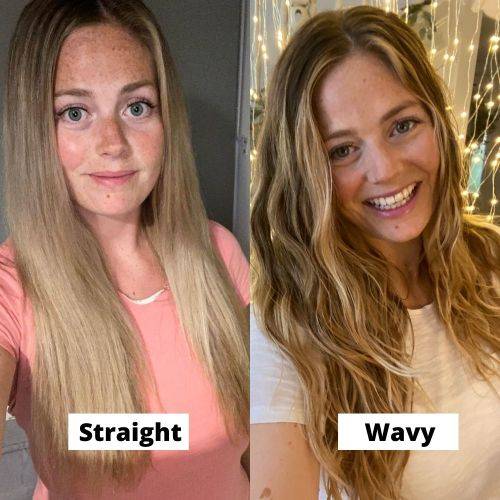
(234,259)
(10,303)
(275,391)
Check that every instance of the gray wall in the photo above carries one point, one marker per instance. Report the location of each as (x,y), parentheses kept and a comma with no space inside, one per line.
(204,37)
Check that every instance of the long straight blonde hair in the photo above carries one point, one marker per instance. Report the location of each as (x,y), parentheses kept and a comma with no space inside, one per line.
(89,358)
(321,293)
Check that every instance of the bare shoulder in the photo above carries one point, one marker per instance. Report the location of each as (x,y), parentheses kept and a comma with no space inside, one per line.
(282,463)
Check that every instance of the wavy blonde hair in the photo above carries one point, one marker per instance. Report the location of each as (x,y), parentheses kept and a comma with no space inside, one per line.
(89,358)
(321,293)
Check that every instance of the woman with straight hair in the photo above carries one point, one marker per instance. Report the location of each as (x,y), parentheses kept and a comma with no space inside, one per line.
(373,291)
(117,295)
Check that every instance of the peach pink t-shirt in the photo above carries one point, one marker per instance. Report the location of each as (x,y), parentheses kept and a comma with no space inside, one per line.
(211,469)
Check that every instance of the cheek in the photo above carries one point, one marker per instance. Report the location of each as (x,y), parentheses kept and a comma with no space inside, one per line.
(149,146)
(347,184)
(71,151)
(425,153)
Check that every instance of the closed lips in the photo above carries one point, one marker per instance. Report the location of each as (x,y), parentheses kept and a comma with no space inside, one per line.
(111,175)
(394,201)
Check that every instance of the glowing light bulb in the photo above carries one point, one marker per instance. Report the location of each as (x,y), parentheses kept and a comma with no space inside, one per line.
(255,19)
(493,201)
(455,42)
(497,139)
(434,4)
(490,104)
(475,195)
(259,38)
(265,56)
(448,108)
(433,51)
(476,159)
(477,96)
(474,146)
(471,47)
(494,48)
(463,114)
(494,39)
(470,208)
(446,56)
(466,150)
(465,193)
(489,85)
(264,48)
(461,137)
(452,58)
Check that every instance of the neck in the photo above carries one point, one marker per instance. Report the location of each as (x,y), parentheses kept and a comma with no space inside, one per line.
(116,235)
(405,256)
(408,273)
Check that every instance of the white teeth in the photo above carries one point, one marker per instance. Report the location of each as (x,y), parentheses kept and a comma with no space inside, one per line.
(391,202)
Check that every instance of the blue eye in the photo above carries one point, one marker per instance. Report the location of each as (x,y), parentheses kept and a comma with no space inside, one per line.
(74,114)
(140,108)
(137,109)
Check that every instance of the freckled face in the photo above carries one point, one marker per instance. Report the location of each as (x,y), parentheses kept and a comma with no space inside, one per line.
(383,152)
(108,122)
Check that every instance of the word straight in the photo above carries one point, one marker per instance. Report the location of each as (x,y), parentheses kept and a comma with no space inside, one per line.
(143,435)
(128,431)
(382,433)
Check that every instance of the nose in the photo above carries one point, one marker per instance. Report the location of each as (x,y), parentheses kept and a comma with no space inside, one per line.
(383,163)
(111,139)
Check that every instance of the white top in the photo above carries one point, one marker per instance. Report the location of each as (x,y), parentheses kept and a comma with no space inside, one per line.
(469,474)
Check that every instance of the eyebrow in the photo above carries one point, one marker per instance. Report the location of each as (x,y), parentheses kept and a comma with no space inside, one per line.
(130,87)
(392,112)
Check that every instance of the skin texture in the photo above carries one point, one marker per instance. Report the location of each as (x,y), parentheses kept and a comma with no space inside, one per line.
(287,468)
(378,156)
(107,136)
(111,130)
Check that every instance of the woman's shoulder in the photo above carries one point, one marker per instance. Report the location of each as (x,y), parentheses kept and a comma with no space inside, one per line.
(275,391)
(11,301)
(233,257)
(10,284)
(224,239)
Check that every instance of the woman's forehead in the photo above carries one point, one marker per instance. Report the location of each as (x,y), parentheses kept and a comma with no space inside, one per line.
(359,88)
(102,52)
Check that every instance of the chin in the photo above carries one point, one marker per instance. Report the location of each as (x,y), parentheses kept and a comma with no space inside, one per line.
(401,233)
(115,211)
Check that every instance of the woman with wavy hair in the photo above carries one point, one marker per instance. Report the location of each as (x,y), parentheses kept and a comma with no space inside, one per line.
(117,295)
(373,292)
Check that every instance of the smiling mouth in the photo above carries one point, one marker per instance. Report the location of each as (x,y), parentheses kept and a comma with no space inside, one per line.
(397,200)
